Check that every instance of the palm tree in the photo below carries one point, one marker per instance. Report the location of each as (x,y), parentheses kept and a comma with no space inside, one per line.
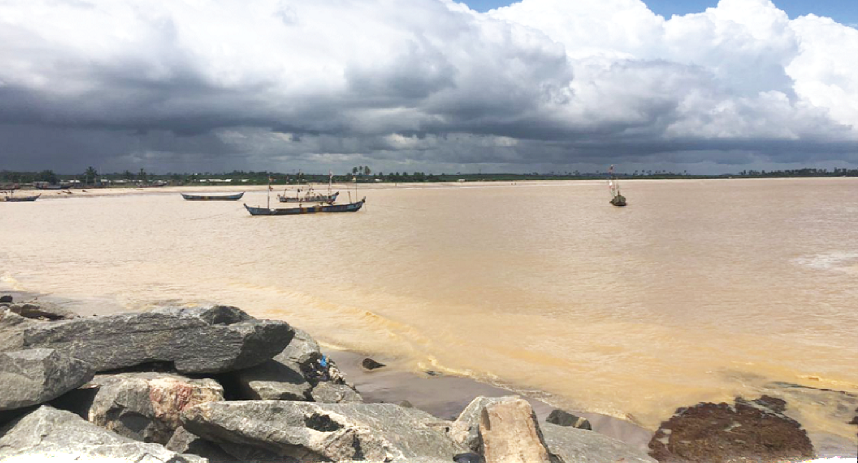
(90,173)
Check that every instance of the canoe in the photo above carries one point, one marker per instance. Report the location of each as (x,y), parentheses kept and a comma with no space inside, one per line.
(20,199)
(350,207)
(190,197)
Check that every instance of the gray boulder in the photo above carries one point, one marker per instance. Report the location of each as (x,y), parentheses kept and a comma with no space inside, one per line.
(330,392)
(34,376)
(43,311)
(142,406)
(302,350)
(48,431)
(466,428)
(273,380)
(5,299)
(572,445)
(511,434)
(197,340)
(314,432)
(185,442)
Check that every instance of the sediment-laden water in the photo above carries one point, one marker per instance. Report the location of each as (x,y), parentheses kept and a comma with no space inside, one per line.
(698,290)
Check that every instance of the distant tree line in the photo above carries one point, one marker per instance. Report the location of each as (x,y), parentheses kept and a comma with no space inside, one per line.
(362,174)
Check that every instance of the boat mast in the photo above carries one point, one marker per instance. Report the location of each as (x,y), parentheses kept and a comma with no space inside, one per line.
(269,193)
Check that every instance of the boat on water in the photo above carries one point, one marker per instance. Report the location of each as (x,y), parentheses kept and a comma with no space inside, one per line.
(215,197)
(301,209)
(20,199)
(617,199)
(309,197)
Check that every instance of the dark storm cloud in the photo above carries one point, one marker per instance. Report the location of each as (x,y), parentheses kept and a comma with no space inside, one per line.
(424,84)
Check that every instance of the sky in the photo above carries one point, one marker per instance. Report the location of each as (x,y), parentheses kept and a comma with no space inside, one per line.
(842,11)
(427,85)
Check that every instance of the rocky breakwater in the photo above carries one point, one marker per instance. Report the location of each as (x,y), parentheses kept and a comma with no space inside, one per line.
(214,384)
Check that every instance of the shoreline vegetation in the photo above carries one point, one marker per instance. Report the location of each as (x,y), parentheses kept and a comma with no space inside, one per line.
(91,178)
(214,384)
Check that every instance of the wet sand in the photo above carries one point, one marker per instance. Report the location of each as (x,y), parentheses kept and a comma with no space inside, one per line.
(446,396)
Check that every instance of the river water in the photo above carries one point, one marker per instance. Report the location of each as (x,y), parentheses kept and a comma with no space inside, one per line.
(698,290)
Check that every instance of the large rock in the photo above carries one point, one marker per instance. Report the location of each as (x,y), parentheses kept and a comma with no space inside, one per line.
(573,445)
(142,406)
(314,432)
(510,433)
(197,340)
(66,437)
(747,431)
(330,392)
(34,376)
(273,380)
(279,378)
(302,350)
(466,428)
(184,441)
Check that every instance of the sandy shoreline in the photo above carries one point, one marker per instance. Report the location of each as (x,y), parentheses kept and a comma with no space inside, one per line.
(443,396)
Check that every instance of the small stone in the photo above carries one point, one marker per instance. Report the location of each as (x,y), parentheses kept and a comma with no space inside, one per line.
(370,364)
(42,311)
(5,298)
(469,457)
(562,418)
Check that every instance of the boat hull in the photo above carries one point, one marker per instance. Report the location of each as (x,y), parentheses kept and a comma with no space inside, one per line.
(20,199)
(619,201)
(235,197)
(309,199)
(300,210)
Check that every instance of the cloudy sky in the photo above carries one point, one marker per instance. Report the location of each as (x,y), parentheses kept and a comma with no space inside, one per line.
(430,85)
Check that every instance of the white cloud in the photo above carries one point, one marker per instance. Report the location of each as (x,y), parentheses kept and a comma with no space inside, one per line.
(539,82)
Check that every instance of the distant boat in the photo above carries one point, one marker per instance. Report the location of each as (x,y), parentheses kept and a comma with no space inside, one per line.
(19,199)
(350,207)
(222,197)
(310,197)
(617,199)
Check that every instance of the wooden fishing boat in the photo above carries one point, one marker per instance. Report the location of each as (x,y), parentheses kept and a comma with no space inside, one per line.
(216,197)
(310,197)
(617,199)
(350,207)
(20,199)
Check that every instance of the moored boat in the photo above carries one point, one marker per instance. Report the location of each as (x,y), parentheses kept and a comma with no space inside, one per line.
(310,197)
(215,197)
(617,199)
(350,207)
(20,199)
